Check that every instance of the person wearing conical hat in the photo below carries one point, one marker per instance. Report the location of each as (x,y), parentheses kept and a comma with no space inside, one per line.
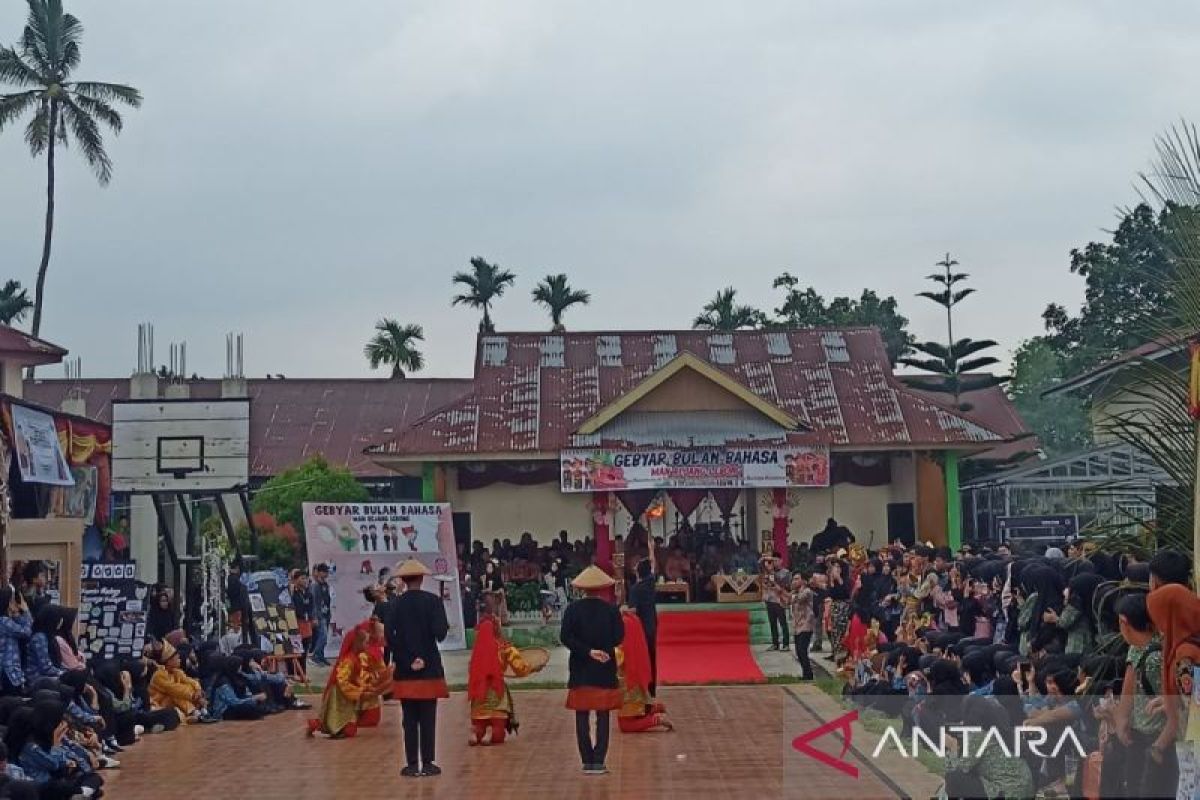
(491,701)
(170,687)
(591,630)
(416,622)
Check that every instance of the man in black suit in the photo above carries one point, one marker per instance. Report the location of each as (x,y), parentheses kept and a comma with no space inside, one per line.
(642,599)
(416,622)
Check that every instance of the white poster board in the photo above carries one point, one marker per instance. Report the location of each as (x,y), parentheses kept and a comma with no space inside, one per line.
(357,540)
(39,454)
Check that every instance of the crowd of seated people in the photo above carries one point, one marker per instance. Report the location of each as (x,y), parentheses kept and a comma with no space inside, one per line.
(1080,644)
(65,720)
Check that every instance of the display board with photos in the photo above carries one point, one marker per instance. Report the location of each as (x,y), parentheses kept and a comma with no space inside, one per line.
(274,615)
(112,611)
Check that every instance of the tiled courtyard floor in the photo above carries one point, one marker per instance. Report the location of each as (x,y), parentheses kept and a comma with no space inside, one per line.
(730,742)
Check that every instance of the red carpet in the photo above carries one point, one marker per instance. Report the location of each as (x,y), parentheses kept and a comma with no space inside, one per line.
(706,647)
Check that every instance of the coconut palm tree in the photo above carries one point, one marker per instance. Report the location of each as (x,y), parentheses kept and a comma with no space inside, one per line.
(60,109)
(722,313)
(14,303)
(394,344)
(554,293)
(484,283)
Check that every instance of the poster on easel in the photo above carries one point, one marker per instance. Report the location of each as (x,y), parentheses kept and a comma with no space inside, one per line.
(274,617)
(359,540)
(112,611)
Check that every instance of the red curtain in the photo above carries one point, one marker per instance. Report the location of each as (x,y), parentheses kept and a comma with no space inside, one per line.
(686,500)
(637,501)
(779,527)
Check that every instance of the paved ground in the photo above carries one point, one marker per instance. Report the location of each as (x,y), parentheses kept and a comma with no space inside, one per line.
(772,663)
(729,742)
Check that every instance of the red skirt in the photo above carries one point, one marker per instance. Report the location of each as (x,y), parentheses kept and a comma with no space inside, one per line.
(420,689)
(593,698)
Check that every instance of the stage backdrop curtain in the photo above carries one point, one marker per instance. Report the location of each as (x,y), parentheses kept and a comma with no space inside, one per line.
(476,475)
(861,469)
(779,527)
(686,500)
(637,501)
(725,499)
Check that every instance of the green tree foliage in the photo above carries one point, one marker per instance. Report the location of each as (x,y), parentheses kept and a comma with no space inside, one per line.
(279,544)
(807,309)
(14,303)
(483,285)
(723,313)
(314,481)
(1129,288)
(395,344)
(954,365)
(1061,421)
(60,109)
(557,296)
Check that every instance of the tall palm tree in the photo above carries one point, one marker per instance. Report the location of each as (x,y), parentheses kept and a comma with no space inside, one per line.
(40,66)
(484,283)
(554,293)
(394,344)
(722,313)
(14,303)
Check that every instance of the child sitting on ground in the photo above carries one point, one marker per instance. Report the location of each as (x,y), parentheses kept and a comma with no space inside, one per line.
(231,699)
(171,688)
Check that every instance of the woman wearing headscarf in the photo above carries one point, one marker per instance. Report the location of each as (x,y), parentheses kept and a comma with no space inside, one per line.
(639,712)
(15,628)
(491,702)
(42,660)
(1077,619)
(161,618)
(839,607)
(356,682)
(1175,612)
(1041,591)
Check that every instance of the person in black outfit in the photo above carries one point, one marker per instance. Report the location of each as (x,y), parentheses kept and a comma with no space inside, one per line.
(643,599)
(416,622)
(591,630)
(238,598)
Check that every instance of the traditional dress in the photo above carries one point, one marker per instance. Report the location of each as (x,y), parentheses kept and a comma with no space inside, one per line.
(416,622)
(639,713)
(592,625)
(351,698)
(491,701)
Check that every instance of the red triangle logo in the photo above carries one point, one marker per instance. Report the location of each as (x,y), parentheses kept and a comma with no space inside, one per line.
(842,723)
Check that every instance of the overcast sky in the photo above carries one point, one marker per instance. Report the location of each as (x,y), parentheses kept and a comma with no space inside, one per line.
(300,170)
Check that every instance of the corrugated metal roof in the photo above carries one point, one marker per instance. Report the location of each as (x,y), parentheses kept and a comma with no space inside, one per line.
(292,420)
(684,429)
(837,383)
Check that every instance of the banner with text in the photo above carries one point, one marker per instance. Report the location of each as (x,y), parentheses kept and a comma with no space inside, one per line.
(767,467)
(359,541)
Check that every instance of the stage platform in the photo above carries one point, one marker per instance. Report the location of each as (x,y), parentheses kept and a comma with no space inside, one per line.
(729,741)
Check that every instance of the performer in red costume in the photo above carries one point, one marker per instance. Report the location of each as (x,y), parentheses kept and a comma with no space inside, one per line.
(491,701)
(639,712)
(351,699)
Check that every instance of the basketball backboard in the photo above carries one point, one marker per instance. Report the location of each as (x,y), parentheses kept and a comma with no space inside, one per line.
(180,445)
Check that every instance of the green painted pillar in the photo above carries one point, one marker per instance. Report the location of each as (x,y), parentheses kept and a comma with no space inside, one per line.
(953,503)
(428,492)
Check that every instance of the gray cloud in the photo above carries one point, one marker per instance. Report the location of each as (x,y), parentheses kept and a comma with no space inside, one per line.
(298,171)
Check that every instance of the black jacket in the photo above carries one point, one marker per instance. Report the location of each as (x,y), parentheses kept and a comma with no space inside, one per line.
(322,603)
(416,622)
(592,624)
(643,600)
(302,603)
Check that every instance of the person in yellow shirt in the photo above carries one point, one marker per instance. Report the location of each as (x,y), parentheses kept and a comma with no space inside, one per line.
(170,687)
(491,701)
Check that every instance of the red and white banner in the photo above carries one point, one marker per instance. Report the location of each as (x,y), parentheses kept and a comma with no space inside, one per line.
(765,466)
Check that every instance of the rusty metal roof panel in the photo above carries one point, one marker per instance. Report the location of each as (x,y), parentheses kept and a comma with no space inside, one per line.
(837,383)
